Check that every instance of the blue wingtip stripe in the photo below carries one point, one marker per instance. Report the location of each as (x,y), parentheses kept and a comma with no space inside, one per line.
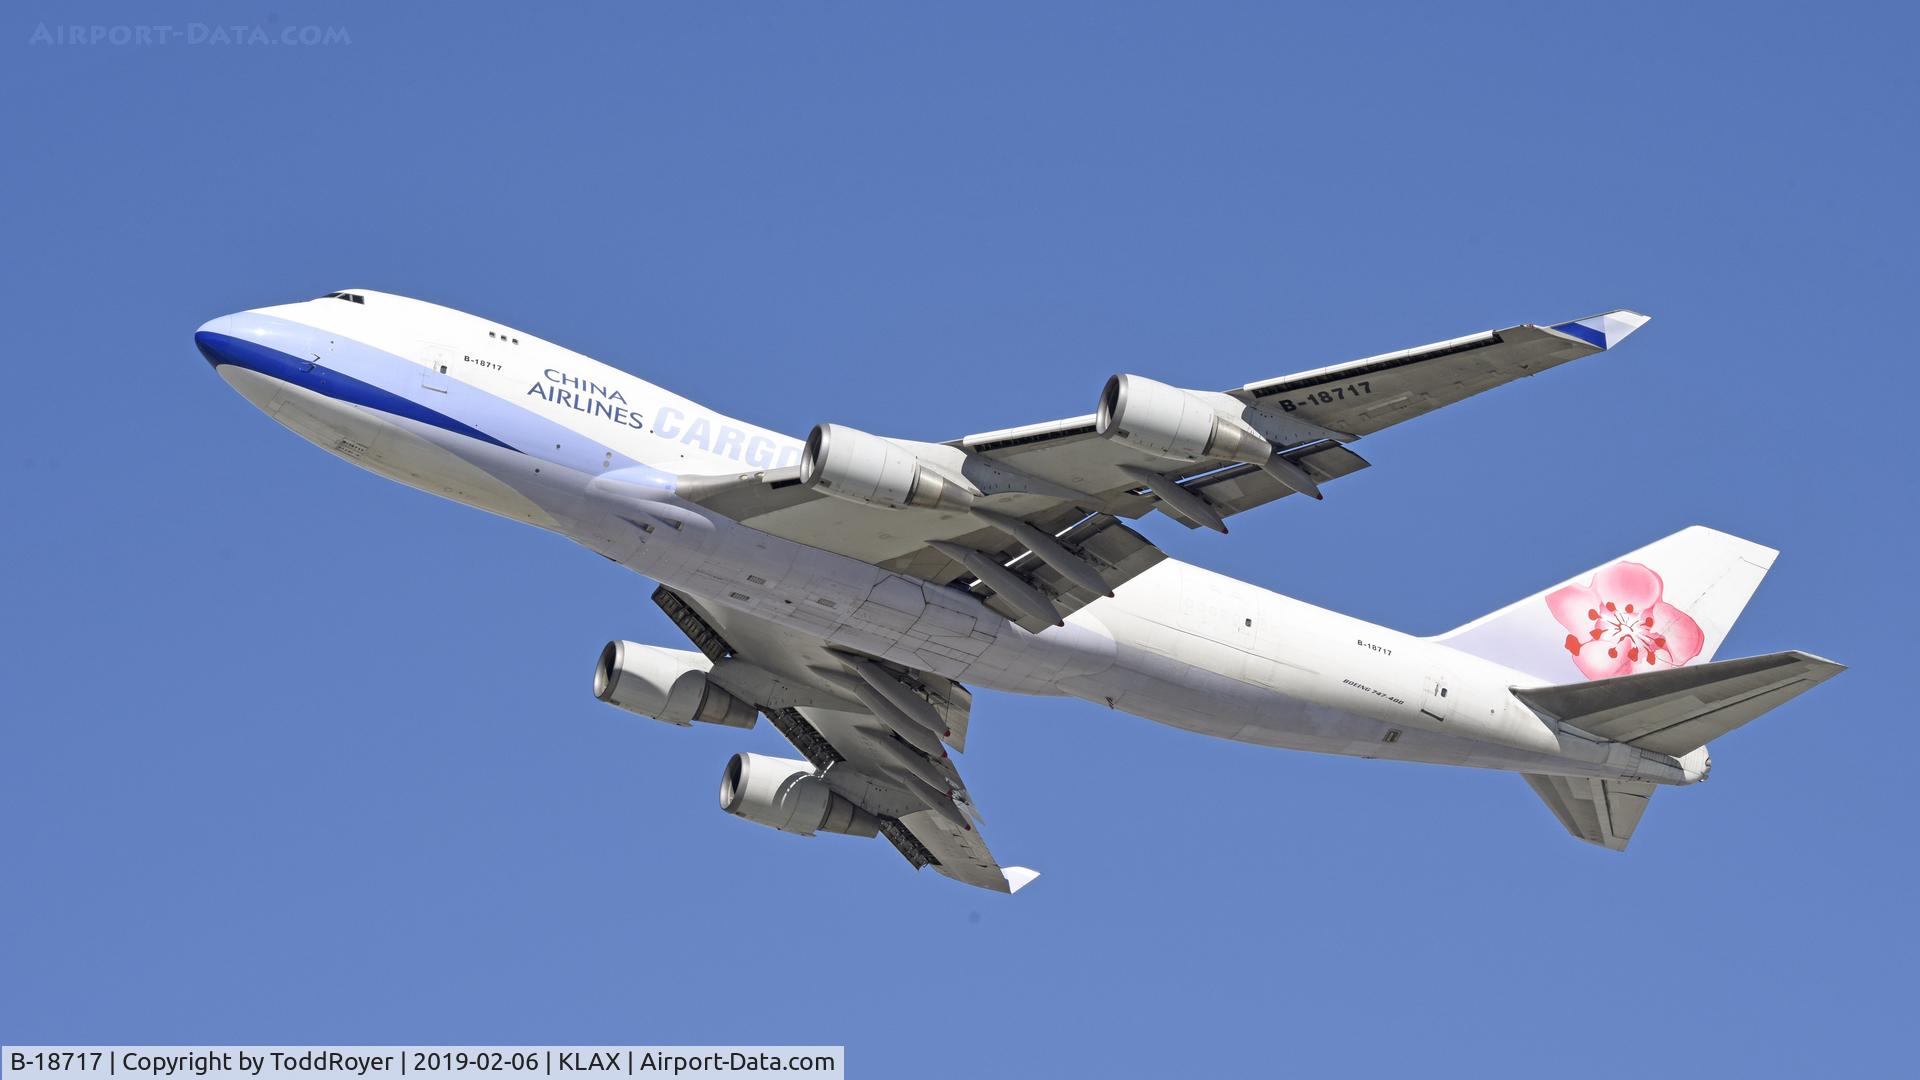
(1585,333)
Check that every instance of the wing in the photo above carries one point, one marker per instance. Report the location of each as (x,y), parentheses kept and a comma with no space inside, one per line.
(1087,551)
(1413,382)
(1030,518)
(874,731)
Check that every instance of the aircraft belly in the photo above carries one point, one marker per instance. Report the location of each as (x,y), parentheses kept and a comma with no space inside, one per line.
(1322,691)
(262,391)
(1225,658)
(1167,691)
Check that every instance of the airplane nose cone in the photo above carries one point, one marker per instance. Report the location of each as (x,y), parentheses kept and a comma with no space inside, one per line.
(215,340)
(248,352)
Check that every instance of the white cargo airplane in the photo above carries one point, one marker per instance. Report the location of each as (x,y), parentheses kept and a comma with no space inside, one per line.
(849,586)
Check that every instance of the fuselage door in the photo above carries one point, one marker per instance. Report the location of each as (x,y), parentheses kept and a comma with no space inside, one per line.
(1439,703)
(438,374)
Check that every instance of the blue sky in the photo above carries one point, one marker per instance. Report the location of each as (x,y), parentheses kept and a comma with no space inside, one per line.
(294,754)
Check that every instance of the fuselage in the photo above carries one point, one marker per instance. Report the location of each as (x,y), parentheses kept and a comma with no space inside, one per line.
(491,416)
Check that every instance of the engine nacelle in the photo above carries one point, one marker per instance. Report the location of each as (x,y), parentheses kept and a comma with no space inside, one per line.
(784,793)
(1170,422)
(853,465)
(666,684)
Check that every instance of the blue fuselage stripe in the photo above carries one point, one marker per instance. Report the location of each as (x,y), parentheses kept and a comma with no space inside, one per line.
(222,349)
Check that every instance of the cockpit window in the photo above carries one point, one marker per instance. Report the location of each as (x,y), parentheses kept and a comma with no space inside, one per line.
(354,297)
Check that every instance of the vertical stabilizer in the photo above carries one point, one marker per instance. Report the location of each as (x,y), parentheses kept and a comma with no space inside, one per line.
(1666,605)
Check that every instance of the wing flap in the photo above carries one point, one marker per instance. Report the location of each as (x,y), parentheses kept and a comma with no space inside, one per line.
(1117,552)
(855,752)
(947,839)
(959,853)
(1242,487)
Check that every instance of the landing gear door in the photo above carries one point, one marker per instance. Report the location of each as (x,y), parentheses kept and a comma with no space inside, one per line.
(437,375)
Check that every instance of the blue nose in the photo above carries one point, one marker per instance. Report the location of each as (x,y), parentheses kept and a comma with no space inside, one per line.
(216,342)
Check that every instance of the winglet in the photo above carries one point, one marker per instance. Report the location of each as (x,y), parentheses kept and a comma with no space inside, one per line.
(1018,877)
(1606,330)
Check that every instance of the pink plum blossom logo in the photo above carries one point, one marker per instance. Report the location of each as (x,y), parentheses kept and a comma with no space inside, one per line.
(1619,624)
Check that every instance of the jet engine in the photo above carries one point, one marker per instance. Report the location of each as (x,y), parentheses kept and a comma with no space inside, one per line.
(784,793)
(1170,422)
(666,684)
(853,465)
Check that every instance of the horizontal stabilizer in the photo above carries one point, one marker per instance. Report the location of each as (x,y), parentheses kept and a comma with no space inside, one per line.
(1677,710)
(1602,812)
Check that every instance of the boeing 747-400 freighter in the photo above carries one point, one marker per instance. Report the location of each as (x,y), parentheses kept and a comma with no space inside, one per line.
(851,587)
